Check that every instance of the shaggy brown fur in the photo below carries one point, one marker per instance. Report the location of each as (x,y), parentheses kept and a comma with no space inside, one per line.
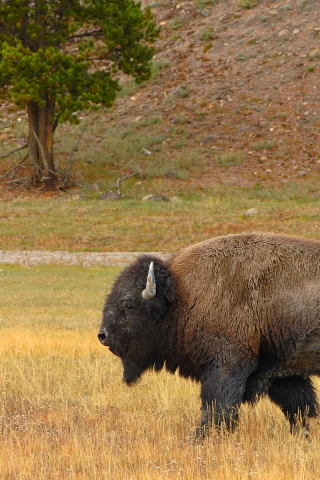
(240,314)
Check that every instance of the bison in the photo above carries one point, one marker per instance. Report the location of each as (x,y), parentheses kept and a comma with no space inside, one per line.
(238,313)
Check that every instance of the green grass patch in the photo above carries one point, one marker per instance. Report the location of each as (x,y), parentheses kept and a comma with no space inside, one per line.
(53,297)
(230,158)
(310,68)
(133,225)
(206,34)
(262,145)
(174,24)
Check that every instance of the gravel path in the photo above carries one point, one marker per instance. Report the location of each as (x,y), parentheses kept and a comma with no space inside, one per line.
(86,259)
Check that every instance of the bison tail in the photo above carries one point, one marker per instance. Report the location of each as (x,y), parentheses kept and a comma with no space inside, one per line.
(296,396)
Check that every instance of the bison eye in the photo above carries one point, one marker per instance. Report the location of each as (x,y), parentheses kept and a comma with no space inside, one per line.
(128,305)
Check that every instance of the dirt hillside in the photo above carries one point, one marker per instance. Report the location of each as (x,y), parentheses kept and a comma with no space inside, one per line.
(247,80)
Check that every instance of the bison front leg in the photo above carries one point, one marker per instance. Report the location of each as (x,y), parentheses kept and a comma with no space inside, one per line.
(221,396)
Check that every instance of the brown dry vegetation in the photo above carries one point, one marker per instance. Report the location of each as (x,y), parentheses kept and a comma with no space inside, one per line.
(66,414)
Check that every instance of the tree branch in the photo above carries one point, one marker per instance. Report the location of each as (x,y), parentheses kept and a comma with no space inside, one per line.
(55,124)
(70,161)
(121,180)
(12,171)
(16,181)
(87,34)
(35,165)
(42,152)
(15,150)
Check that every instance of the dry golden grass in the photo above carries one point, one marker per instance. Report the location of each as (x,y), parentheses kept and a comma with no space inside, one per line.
(65,413)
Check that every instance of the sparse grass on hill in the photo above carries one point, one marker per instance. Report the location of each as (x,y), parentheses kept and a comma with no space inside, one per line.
(263,145)
(248,3)
(66,414)
(229,159)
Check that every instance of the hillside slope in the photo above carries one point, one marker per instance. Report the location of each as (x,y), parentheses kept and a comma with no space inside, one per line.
(246,81)
(234,98)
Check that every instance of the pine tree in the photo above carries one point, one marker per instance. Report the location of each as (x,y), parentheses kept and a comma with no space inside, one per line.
(58,57)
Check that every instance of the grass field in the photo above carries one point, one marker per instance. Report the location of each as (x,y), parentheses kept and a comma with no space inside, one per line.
(65,413)
(132,225)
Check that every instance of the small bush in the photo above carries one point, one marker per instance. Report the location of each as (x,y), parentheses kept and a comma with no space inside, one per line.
(175,24)
(207,47)
(241,56)
(262,145)
(174,37)
(280,114)
(205,35)
(190,161)
(159,65)
(310,68)
(180,143)
(181,119)
(156,69)
(184,92)
(248,3)
(128,87)
(150,121)
(229,159)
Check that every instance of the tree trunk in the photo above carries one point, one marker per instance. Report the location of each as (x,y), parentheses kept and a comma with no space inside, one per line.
(40,141)
(32,110)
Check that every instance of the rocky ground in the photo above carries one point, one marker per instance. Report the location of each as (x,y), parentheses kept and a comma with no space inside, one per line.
(247,80)
(86,259)
(244,80)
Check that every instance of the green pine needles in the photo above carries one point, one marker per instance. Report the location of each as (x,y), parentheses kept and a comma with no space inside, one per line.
(58,57)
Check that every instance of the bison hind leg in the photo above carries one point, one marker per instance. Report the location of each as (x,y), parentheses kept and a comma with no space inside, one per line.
(296,396)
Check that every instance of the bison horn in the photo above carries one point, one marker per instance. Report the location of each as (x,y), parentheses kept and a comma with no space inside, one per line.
(151,288)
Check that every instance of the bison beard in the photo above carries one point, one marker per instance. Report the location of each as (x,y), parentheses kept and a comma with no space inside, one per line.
(240,314)
(131,371)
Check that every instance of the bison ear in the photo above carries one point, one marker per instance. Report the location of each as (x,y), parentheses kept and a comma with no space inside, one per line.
(151,287)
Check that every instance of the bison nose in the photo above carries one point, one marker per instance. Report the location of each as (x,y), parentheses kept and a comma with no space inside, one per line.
(103,338)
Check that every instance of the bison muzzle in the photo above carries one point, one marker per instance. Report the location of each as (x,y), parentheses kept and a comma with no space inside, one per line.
(239,313)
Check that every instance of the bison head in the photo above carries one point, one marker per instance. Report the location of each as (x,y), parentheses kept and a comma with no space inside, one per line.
(132,325)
